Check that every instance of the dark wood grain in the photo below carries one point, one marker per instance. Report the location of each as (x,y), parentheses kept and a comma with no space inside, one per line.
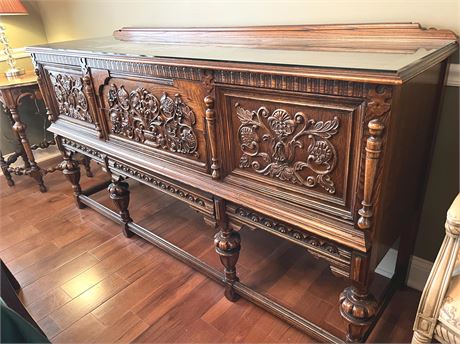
(331,160)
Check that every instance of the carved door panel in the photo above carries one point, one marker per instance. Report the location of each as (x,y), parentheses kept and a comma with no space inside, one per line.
(163,118)
(303,149)
(71,93)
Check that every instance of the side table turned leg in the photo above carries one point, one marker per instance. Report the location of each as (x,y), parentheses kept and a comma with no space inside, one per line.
(20,129)
(6,173)
(21,151)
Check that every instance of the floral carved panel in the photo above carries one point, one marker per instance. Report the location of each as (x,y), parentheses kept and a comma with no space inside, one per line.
(161,122)
(70,96)
(289,147)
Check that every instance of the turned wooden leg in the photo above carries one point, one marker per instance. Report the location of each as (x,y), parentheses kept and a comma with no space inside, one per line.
(119,193)
(71,169)
(6,173)
(29,161)
(357,306)
(227,243)
(20,150)
(86,162)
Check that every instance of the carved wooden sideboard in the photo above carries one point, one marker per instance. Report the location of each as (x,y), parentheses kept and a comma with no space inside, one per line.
(320,135)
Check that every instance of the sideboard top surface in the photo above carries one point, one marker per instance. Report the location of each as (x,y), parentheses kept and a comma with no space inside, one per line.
(378,48)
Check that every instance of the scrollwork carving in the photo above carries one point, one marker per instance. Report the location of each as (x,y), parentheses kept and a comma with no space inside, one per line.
(164,123)
(379,101)
(70,96)
(285,134)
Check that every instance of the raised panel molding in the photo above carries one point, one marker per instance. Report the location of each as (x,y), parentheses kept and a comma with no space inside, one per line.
(285,133)
(70,96)
(164,123)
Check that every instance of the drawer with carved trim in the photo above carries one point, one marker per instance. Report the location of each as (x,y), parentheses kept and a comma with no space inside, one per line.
(337,256)
(303,149)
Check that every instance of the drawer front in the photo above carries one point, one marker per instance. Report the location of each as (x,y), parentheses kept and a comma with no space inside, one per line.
(303,149)
(339,257)
(70,99)
(161,117)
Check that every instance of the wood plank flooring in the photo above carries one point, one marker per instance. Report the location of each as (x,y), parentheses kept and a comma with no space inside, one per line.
(82,281)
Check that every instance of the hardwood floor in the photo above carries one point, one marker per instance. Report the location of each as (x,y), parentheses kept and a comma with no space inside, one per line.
(82,281)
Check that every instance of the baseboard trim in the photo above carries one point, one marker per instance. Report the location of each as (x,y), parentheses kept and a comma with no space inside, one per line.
(419,269)
(418,273)
(453,77)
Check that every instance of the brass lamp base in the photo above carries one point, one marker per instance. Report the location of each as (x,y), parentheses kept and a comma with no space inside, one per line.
(14,72)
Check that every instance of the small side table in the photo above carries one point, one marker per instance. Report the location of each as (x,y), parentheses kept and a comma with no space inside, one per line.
(12,93)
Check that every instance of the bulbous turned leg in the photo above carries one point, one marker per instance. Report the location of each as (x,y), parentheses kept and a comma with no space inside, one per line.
(86,162)
(119,194)
(228,244)
(71,170)
(358,308)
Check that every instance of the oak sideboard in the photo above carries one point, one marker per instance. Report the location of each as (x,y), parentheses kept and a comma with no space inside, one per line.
(320,135)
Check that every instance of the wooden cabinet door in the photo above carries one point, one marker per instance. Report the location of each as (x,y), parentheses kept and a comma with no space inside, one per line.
(162,118)
(69,93)
(300,148)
